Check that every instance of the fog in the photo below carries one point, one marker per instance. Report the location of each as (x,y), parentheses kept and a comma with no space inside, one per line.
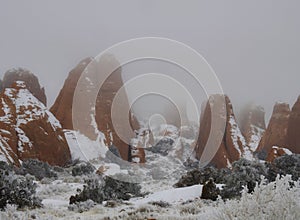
(253,46)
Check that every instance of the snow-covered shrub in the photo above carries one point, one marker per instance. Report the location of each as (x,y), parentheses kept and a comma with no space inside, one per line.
(18,190)
(276,200)
(162,204)
(36,168)
(82,206)
(99,189)
(82,169)
(244,173)
(162,147)
(261,155)
(200,176)
(286,164)
(5,166)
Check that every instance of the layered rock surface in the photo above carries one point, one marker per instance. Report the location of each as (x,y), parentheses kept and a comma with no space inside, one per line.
(98,117)
(28,129)
(231,143)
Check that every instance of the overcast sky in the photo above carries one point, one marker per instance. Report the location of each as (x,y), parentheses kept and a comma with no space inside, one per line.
(253,46)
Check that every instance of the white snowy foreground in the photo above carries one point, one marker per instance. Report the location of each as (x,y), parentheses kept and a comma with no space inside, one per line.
(267,202)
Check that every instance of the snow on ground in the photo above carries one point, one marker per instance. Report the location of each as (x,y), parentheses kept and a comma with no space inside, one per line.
(83,148)
(267,202)
(171,195)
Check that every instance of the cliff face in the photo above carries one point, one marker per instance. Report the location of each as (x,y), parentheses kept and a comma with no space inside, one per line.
(233,145)
(28,129)
(275,134)
(31,81)
(293,130)
(98,116)
(62,107)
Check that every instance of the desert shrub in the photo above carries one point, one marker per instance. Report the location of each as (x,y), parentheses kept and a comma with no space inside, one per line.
(81,206)
(244,173)
(161,204)
(286,164)
(162,147)
(36,168)
(5,166)
(17,190)
(99,189)
(82,169)
(201,176)
(275,200)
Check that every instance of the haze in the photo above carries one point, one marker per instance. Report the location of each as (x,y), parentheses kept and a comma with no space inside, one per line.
(253,46)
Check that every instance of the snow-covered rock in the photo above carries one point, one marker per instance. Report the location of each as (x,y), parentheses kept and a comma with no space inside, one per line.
(232,144)
(28,129)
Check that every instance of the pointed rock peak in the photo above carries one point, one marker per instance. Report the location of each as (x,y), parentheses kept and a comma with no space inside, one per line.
(232,146)
(30,80)
(275,134)
(95,116)
(281,107)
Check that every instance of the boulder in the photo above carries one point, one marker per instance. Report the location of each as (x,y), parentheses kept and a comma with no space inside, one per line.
(277,152)
(210,190)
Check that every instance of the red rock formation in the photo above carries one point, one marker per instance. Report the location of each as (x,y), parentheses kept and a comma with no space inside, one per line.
(138,155)
(99,114)
(232,145)
(293,131)
(31,81)
(277,152)
(252,124)
(275,134)
(62,107)
(29,130)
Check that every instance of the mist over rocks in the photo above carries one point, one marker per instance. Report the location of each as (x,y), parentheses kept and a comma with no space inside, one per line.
(31,81)
(102,120)
(252,124)
(62,107)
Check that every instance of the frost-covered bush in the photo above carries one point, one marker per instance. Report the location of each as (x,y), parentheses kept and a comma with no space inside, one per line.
(81,206)
(99,189)
(286,164)
(36,168)
(162,204)
(82,169)
(5,166)
(162,147)
(276,200)
(244,173)
(18,190)
(200,176)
